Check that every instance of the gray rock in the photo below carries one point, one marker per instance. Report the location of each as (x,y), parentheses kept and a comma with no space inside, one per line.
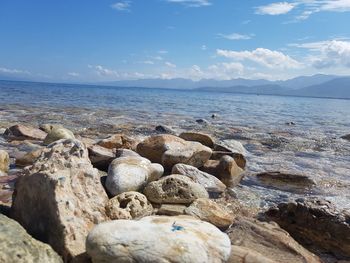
(165,129)
(346,137)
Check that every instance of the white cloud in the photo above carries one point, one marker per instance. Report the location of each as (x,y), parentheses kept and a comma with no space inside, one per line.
(122,6)
(191,3)
(148,62)
(159,58)
(262,56)
(225,71)
(14,71)
(111,74)
(170,65)
(163,52)
(203,47)
(73,74)
(236,36)
(273,9)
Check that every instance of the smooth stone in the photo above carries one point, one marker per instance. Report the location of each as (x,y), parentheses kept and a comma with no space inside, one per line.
(198,137)
(126,153)
(265,242)
(169,150)
(212,184)
(158,239)
(4,161)
(20,133)
(58,133)
(174,189)
(128,205)
(209,211)
(60,198)
(118,141)
(16,246)
(165,129)
(131,173)
(101,157)
(29,158)
(171,210)
(235,149)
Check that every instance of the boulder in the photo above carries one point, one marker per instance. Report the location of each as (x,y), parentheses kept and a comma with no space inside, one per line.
(131,173)
(60,198)
(169,150)
(171,210)
(316,222)
(207,210)
(58,133)
(101,157)
(118,141)
(17,246)
(265,242)
(20,133)
(198,137)
(233,148)
(174,189)
(4,161)
(128,205)
(212,184)
(158,239)
(226,170)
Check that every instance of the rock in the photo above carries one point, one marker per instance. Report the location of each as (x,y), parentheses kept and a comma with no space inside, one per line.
(226,170)
(126,153)
(214,115)
(58,133)
(60,198)
(2,131)
(17,246)
(7,185)
(198,137)
(118,141)
(174,189)
(4,161)
(208,210)
(202,121)
(316,222)
(29,158)
(346,137)
(263,242)
(169,150)
(290,123)
(158,239)
(20,133)
(129,205)
(131,173)
(87,141)
(165,129)
(49,127)
(101,157)
(235,149)
(171,210)
(212,184)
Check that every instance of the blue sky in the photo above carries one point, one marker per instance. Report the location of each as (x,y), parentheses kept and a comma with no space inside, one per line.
(90,40)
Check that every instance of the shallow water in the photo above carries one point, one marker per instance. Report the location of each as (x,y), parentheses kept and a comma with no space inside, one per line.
(311,147)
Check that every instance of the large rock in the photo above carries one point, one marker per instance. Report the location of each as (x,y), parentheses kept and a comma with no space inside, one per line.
(4,161)
(169,150)
(60,198)
(265,243)
(208,210)
(58,133)
(101,157)
(16,246)
(212,184)
(20,133)
(316,222)
(118,141)
(198,137)
(129,205)
(174,189)
(158,239)
(131,173)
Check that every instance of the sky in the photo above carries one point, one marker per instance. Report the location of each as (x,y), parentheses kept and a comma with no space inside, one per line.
(106,40)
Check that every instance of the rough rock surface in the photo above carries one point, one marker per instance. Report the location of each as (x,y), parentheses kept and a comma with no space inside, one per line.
(158,239)
(58,133)
(20,133)
(169,150)
(16,246)
(268,240)
(129,205)
(101,157)
(174,189)
(60,198)
(246,255)
(198,137)
(315,222)
(131,173)
(4,161)
(118,141)
(208,210)
(212,184)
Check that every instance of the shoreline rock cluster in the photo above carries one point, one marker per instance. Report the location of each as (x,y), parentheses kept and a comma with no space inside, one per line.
(161,199)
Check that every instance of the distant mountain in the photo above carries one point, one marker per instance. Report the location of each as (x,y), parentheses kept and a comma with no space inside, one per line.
(305,81)
(270,89)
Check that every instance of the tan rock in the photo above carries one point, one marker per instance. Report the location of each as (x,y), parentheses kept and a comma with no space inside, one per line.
(4,161)
(29,158)
(101,157)
(58,133)
(246,255)
(20,133)
(47,127)
(198,137)
(171,210)
(234,149)
(118,141)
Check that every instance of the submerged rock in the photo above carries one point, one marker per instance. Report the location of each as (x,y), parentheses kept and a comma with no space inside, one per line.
(58,133)
(158,239)
(4,161)
(16,246)
(20,133)
(60,198)
(198,137)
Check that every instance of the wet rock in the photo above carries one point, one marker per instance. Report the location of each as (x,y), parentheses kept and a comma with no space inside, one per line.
(265,242)
(171,210)
(212,184)
(214,115)
(315,222)
(20,133)
(118,141)
(290,123)
(165,129)
(4,161)
(17,246)
(226,170)
(208,210)
(183,239)
(235,149)
(58,133)
(198,137)
(129,205)
(126,153)
(101,157)
(29,158)
(346,137)
(131,173)
(60,198)
(202,121)
(174,189)
(169,150)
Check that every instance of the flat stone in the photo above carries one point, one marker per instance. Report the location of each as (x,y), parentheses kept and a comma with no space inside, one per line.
(20,133)
(171,210)
(29,158)
(101,157)
(58,133)
(198,137)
